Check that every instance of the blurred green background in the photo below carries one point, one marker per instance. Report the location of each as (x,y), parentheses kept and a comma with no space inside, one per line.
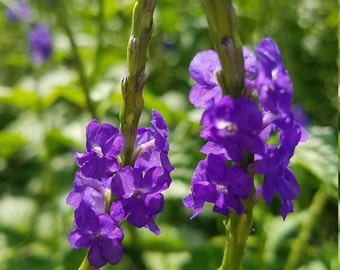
(43,114)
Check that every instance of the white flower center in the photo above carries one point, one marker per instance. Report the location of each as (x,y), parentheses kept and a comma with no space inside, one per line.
(98,150)
(226,125)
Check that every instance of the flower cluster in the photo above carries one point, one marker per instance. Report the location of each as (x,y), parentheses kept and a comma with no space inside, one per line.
(39,35)
(105,193)
(238,131)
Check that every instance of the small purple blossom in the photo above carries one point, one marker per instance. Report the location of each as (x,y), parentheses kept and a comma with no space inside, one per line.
(103,145)
(216,183)
(278,178)
(273,83)
(234,124)
(19,11)
(40,40)
(152,145)
(203,69)
(100,232)
(140,195)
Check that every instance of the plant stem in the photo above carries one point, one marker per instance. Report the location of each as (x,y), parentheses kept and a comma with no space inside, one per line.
(63,19)
(222,25)
(223,30)
(132,85)
(100,44)
(300,243)
(237,235)
(85,265)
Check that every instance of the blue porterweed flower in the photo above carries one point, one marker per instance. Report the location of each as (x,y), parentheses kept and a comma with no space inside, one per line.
(278,178)
(19,11)
(98,231)
(224,186)
(203,69)
(105,193)
(234,127)
(234,124)
(152,146)
(103,145)
(140,194)
(40,40)
(273,83)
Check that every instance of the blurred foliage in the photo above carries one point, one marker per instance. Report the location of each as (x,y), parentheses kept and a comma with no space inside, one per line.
(44,113)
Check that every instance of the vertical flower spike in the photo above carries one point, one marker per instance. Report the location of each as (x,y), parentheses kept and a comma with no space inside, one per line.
(40,41)
(246,99)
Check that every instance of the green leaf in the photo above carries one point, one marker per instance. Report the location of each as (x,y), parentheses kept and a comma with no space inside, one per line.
(318,155)
(20,98)
(10,143)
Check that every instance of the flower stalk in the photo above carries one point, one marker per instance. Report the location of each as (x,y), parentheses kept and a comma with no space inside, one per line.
(132,85)
(85,265)
(221,19)
(83,78)
(237,235)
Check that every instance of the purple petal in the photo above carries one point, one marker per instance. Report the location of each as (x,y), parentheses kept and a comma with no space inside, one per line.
(79,239)
(240,183)
(216,165)
(161,131)
(124,182)
(110,250)
(151,225)
(204,191)
(202,96)
(203,67)
(94,256)
(117,211)
(85,218)
(286,207)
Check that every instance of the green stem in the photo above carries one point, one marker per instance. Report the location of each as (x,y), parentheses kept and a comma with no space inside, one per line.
(85,265)
(222,25)
(63,19)
(133,83)
(237,235)
(223,30)
(300,243)
(100,44)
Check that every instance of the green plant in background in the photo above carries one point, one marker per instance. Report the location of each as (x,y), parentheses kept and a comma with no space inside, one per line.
(44,110)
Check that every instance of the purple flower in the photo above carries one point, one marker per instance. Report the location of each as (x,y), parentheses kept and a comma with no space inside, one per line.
(152,145)
(234,124)
(140,194)
(100,232)
(273,82)
(103,144)
(214,182)
(83,184)
(203,69)
(278,178)
(19,11)
(40,41)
